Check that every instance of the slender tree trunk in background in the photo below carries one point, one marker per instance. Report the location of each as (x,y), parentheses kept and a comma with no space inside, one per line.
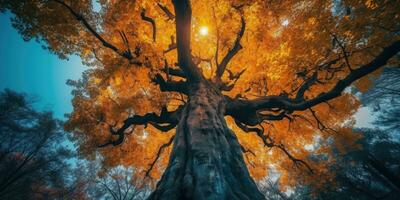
(206,161)
(385,172)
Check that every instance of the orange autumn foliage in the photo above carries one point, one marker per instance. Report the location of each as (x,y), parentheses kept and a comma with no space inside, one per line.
(283,42)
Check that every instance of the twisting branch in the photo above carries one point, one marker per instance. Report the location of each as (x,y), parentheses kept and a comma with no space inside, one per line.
(233,51)
(306,85)
(172,71)
(160,151)
(165,116)
(120,133)
(126,54)
(244,106)
(226,87)
(272,117)
(233,77)
(166,11)
(260,133)
(268,142)
(170,86)
(151,21)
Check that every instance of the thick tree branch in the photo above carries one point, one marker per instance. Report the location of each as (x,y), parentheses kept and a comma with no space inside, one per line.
(306,85)
(126,54)
(163,128)
(165,116)
(171,86)
(151,21)
(174,72)
(233,77)
(236,106)
(183,17)
(233,51)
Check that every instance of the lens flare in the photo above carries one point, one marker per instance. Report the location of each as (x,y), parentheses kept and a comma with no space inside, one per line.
(204,30)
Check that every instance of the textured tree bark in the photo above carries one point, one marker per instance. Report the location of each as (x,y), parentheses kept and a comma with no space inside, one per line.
(206,161)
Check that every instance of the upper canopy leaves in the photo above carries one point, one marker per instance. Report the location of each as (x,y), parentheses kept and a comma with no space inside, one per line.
(291,51)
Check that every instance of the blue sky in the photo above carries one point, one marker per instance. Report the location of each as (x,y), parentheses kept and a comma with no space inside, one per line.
(27,67)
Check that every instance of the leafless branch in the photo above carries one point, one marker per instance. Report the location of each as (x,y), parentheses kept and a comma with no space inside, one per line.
(171,86)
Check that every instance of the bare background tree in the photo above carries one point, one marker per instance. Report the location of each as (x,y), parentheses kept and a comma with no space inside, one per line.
(33,154)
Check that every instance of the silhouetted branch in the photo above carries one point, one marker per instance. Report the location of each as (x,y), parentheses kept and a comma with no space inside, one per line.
(343,48)
(233,51)
(246,107)
(160,151)
(151,21)
(321,126)
(126,54)
(174,72)
(165,116)
(172,45)
(170,86)
(260,133)
(244,150)
(234,77)
(163,128)
(126,42)
(306,85)
(166,11)
(295,160)
(267,140)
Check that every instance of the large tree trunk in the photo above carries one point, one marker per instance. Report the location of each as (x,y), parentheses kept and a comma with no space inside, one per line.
(206,161)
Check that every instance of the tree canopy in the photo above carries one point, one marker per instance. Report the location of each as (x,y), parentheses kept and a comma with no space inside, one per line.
(282,67)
